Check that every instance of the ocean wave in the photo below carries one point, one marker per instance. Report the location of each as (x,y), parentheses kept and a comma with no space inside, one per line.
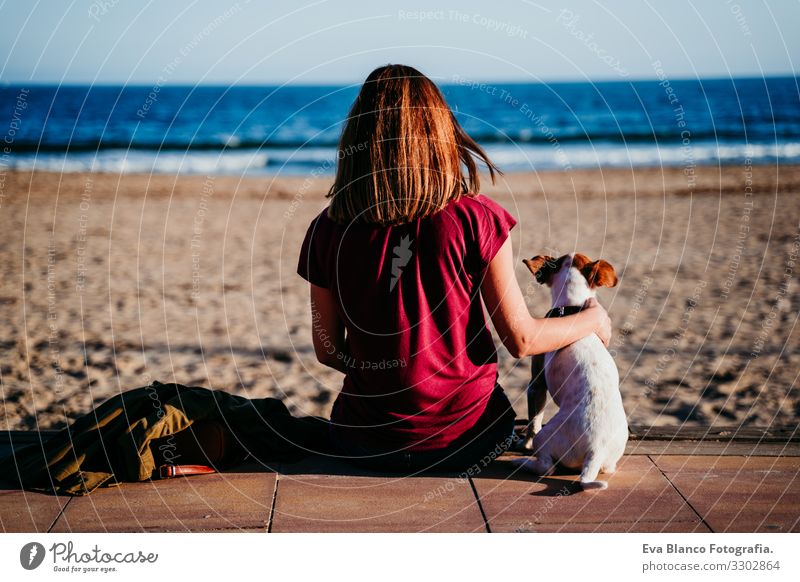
(322,161)
(135,162)
(522,157)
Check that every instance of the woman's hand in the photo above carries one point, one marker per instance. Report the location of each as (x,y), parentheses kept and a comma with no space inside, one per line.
(602,320)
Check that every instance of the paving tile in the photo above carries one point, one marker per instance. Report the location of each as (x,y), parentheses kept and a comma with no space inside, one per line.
(739,494)
(221,501)
(331,497)
(27,511)
(692,464)
(639,498)
(715,449)
(695,526)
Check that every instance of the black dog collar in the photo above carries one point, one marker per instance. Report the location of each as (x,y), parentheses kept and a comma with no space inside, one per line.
(564,310)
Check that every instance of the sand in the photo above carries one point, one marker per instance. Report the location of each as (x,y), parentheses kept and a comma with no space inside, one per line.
(112,281)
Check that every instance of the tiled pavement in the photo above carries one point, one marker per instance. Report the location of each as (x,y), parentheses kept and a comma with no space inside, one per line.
(658,487)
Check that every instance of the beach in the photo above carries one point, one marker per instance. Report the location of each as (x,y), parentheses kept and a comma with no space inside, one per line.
(111,281)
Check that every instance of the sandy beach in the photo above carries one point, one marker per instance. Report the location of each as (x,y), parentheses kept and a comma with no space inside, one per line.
(112,281)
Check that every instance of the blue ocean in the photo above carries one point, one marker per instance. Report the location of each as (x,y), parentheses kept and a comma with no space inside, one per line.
(294,129)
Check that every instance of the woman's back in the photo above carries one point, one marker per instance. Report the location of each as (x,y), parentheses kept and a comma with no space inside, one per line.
(419,360)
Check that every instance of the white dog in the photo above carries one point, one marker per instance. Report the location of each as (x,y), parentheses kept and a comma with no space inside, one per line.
(590,430)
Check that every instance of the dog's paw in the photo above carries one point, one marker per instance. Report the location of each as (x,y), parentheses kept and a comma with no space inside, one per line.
(597,485)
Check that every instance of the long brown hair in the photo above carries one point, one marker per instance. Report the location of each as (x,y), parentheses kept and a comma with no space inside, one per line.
(402,153)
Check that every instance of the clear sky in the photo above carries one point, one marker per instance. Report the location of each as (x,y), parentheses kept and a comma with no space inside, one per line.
(340,41)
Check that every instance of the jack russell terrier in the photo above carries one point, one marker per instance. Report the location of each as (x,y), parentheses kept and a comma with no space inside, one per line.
(590,429)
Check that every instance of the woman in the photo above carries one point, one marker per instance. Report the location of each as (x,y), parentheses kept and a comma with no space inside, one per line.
(398,265)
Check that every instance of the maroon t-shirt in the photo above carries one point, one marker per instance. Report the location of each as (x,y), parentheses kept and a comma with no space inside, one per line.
(421,361)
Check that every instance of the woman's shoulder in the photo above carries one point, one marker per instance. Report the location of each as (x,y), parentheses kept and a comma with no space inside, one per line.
(319,232)
(475,205)
(482,223)
(322,222)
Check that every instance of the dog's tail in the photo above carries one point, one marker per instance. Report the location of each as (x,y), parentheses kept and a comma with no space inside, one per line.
(591,468)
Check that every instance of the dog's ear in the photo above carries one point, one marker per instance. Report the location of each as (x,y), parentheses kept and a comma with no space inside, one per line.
(600,274)
(543,268)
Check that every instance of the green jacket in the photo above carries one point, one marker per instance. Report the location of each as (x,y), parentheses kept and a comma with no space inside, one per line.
(110,444)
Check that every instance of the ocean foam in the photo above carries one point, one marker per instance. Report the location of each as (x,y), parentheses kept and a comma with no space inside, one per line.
(321,160)
(144,161)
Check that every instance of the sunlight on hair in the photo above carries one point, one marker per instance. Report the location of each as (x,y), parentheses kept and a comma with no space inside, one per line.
(402,154)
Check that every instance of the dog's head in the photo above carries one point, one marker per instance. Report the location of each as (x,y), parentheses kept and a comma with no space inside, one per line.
(547,269)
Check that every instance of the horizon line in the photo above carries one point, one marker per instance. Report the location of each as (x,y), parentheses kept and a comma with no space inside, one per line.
(22,83)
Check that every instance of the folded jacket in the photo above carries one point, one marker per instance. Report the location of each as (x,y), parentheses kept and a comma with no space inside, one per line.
(111,444)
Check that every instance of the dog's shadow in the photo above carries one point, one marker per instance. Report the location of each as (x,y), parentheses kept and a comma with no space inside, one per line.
(561,482)
(555,487)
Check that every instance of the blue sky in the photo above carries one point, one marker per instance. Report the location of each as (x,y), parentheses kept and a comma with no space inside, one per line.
(329,41)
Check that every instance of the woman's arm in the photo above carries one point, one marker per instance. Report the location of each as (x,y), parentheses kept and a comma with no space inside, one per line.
(522,334)
(327,329)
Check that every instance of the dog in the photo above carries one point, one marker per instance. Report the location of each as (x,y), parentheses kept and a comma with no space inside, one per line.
(590,430)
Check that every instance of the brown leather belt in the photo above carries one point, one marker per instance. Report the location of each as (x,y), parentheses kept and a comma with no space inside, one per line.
(169,471)
(206,446)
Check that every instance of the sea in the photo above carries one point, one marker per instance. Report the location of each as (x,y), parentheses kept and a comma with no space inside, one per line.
(294,130)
